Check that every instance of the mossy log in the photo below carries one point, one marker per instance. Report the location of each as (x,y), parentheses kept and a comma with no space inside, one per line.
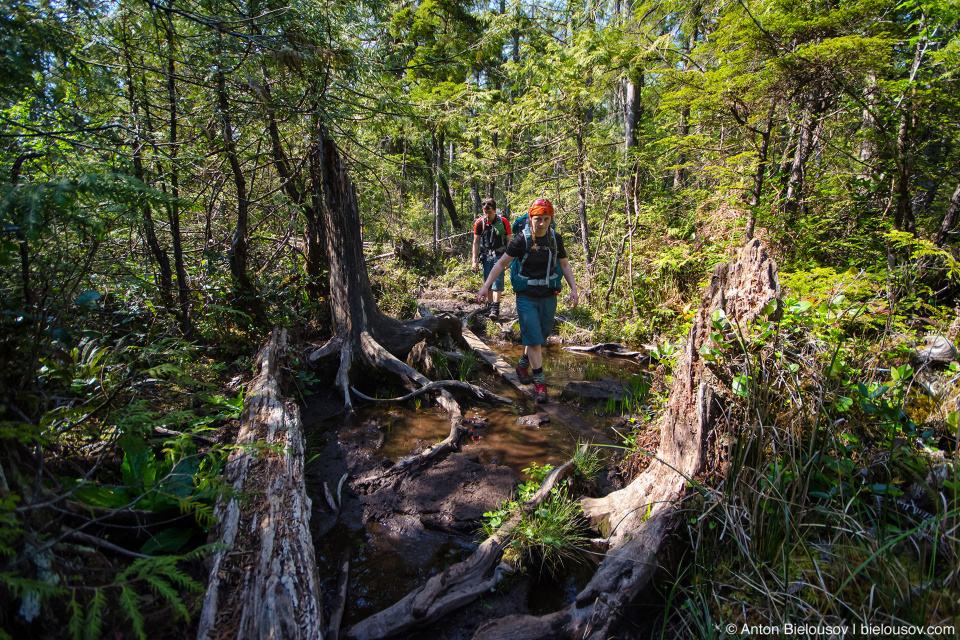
(264,583)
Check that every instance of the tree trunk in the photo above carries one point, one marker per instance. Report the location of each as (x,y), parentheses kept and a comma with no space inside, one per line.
(446,197)
(363,332)
(582,191)
(173,212)
(637,519)
(264,582)
(632,110)
(247,298)
(165,274)
(903,217)
(950,218)
(683,129)
(868,128)
(314,231)
(436,152)
(475,184)
(757,193)
(22,241)
(795,186)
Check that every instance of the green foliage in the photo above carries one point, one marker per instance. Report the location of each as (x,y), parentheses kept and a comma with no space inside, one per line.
(396,290)
(160,576)
(818,477)
(587,460)
(548,534)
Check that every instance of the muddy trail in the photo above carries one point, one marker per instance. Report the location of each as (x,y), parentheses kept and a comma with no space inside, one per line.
(399,535)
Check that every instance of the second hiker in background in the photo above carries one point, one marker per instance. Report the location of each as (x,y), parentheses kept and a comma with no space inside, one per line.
(491,233)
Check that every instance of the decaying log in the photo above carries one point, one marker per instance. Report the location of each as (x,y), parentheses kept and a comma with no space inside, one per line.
(264,583)
(457,585)
(637,518)
(498,364)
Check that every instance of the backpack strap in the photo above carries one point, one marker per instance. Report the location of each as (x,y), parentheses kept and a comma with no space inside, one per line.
(551,258)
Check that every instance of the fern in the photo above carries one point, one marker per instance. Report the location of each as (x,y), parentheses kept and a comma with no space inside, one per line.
(75,624)
(130,602)
(94,622)
(163,589)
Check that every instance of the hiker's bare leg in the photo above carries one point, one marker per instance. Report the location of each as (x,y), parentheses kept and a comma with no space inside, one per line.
(535,356)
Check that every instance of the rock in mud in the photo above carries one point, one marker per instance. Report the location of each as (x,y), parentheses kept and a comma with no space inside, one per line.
(534,420)
(602,389)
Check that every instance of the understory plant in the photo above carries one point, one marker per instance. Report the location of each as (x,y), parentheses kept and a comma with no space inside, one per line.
(545,535)
(834,503)
(107,486)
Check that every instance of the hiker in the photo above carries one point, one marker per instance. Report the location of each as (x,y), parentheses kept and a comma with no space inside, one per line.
(539,259)
(490,235)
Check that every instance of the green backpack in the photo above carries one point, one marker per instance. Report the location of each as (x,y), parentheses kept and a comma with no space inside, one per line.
(553,278)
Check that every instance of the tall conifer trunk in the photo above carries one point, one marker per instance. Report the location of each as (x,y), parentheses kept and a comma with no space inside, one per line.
(246,295)
(173,212)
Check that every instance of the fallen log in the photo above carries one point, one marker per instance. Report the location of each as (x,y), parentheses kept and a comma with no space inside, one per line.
(263,582)
(636,519)
(498,364)
(612,349)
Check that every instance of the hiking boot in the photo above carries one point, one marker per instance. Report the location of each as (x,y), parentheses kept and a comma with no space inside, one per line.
(541,390)
(494,310)
(524,374)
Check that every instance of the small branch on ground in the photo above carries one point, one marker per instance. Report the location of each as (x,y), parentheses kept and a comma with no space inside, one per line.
(479,392)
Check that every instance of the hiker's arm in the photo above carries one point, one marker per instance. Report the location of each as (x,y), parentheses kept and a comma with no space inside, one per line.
(473,254)
(495,272)
(567,270)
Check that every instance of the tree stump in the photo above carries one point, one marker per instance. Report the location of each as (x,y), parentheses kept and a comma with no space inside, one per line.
(636,519)
(264,583)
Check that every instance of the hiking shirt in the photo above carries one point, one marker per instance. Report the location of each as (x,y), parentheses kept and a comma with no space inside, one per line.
(536,265)
(493,236)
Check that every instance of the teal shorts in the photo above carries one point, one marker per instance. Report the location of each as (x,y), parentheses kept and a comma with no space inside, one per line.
(536,318)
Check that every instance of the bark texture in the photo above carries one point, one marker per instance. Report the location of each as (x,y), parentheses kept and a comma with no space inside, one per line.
(264,584)
(636,519)
(364,334)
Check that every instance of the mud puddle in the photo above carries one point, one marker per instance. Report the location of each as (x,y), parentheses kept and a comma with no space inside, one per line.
(398,537)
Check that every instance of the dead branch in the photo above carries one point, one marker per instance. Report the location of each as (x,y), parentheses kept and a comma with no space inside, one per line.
(479,392)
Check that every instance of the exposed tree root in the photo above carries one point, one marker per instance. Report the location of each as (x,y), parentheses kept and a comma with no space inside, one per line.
(479,392)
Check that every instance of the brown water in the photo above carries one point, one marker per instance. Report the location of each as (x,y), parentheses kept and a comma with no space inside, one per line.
(386,564)
(502,440)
